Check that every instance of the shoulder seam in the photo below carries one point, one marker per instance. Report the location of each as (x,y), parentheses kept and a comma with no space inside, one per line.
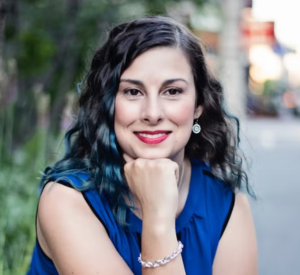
(209,174)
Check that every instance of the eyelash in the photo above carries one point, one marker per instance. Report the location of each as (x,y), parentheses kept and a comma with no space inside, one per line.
(179,91)
(127,92)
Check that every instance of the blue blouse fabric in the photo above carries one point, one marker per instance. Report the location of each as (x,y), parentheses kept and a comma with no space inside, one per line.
(199,226)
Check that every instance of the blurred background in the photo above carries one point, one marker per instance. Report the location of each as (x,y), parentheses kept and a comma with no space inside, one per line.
(252,46)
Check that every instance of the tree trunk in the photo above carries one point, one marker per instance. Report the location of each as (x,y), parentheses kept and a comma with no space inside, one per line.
(232,70)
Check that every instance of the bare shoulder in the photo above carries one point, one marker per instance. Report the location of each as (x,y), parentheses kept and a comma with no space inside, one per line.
(242,205)
(55,194)
(57,202)
(72,236)
(237,250)
(56,199)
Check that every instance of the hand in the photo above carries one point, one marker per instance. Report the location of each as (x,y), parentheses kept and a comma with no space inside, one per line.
(154,185)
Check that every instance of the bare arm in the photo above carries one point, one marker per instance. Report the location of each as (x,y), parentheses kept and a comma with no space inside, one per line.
(237,250)
(73,237)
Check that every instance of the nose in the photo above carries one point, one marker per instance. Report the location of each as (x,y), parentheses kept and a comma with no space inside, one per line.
(152,111)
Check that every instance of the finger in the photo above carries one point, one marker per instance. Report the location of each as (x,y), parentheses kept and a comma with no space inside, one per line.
(127,158)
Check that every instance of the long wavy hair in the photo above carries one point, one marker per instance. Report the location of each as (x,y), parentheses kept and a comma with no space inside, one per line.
(91,145)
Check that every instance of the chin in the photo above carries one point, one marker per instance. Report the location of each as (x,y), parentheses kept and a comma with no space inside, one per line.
(155,154)
(151,154)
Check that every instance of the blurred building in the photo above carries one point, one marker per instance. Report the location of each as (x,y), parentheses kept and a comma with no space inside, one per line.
(272,68)
(263,66)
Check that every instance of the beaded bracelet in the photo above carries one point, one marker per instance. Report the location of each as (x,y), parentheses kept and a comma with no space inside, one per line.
(165,260)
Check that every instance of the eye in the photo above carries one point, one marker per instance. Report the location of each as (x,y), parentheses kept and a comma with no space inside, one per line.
(132,92)
(173,91)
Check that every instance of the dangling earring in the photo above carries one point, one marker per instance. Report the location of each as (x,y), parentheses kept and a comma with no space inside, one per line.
(196,127)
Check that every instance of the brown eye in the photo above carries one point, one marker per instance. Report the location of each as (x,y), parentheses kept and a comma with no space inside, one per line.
(132,92)
(173,91)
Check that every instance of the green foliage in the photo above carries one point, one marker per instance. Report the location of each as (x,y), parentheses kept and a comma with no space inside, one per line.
(36,52)
(20,168)
(17,228)
(18,197)
(18,200)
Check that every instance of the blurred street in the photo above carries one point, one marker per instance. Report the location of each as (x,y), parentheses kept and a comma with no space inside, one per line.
(273,148)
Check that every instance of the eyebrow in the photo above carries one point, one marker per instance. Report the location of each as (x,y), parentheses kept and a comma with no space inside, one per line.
(141,84)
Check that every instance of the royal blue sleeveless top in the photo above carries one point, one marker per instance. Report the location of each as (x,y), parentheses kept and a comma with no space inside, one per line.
(199,226)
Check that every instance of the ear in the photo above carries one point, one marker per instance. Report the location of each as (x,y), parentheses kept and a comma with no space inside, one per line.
(198,111)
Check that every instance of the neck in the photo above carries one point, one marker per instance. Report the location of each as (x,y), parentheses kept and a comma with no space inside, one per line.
(182,169)
(183,184)
(182,162)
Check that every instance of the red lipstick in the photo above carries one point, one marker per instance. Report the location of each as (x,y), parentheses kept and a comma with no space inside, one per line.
(152,140)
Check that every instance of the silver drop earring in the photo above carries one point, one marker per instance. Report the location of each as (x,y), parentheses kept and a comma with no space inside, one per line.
(196,127)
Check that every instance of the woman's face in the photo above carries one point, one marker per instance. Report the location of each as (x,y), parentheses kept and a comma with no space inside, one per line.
(155,105)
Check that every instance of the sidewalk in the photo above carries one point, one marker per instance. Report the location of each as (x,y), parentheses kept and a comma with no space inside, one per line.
(273,147)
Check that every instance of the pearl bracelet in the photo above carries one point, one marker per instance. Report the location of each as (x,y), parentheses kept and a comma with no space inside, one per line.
(164,261)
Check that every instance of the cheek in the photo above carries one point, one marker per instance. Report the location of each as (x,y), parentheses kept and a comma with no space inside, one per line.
(183,115)
(124,114)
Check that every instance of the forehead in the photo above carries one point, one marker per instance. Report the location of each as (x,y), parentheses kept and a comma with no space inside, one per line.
(158,64)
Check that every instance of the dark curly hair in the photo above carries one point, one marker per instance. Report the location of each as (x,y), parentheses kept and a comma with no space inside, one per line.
(91,144)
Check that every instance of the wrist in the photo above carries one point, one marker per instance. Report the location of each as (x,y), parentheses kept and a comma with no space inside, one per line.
(158,226)
(158,240)
(158,215)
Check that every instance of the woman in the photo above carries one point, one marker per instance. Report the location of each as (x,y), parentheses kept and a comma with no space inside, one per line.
(152,166)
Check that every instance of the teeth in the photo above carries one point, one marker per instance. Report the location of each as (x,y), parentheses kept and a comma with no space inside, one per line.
(150,136)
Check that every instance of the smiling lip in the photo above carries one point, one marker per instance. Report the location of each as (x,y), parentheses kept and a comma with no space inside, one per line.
(152,140)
